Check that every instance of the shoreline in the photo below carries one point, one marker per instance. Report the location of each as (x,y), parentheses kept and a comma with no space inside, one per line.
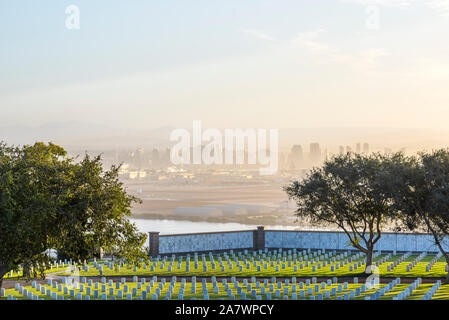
(232,219)
(259,221)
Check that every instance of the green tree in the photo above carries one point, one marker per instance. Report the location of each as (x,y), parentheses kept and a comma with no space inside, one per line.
(421,194)
(96,215)
(50,201)
(29,200)
(350,192)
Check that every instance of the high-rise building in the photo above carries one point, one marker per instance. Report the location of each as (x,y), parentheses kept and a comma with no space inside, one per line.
(155,157)
(365,148)
(358,148)
(348,149)
(341,149)
(296,156)
(315,152)
(297,151)
(165,158)
(139,158)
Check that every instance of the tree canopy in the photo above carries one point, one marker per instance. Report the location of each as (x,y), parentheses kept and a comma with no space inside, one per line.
(421,194)
(351,192)
(50,201)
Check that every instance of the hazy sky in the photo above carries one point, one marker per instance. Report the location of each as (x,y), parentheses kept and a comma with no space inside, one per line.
(229,63)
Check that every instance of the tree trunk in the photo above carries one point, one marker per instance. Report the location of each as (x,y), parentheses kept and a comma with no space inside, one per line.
(3,272)
(447,274)
(369,260)
(446,256)
(26,270)
(438,243)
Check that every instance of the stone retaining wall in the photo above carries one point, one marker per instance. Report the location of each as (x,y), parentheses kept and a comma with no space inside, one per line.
(261,238)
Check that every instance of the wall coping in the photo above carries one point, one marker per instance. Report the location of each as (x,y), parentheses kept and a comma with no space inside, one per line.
(200,233)
(327,231)
(274,230)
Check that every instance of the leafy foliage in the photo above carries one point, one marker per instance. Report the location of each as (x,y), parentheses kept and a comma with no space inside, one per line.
(422,195)
(48,200)
(351,192)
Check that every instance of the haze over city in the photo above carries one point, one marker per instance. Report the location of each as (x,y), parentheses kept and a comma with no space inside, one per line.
(283,64)
(344,75)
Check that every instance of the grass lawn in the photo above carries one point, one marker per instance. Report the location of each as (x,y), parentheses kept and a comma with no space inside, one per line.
(442,293)
(281,269)
(248,264)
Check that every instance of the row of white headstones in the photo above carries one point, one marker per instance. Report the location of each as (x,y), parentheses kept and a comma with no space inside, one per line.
(271,290)
(262,260)
(317,260)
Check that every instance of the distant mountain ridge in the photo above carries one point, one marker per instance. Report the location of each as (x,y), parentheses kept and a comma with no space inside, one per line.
(74,134)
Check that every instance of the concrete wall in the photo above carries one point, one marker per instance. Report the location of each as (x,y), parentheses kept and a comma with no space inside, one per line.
(260,238)
(206,241)
(339,240)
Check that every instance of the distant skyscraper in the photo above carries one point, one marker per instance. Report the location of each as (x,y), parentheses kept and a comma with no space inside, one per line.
(365,148)
(296,156)
(155,158)
(139,158)
(358,148)
(341,149)
(297,151)
(348,149)
(315,152)
(165,159)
